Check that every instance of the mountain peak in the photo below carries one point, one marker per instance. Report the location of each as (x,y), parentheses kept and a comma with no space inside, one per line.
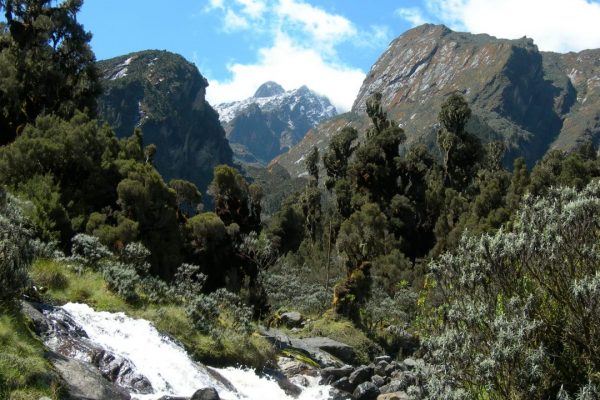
(269,89)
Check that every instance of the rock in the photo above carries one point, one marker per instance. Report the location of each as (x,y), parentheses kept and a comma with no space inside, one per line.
(380,368)
(39,323)
(206,394)
(331,374)
(121,371)
(360,375)
(282,341)
(300,380)
(344,385)
(291,319)
(85,382)
(410,363)
(173,398)
(400,381)
(379,381)
(393,396)
(292,367)
(391,368)
(335,394)
(387,359)
(338,349)
(366,391)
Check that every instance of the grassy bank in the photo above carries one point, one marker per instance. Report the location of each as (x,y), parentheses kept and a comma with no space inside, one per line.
(24,372)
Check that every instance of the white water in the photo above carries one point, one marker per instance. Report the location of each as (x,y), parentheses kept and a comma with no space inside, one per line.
(166,364)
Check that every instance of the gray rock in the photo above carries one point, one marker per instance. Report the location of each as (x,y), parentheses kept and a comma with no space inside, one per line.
(383,358)
(393,396)
(121,371)
(366,391)
(85,382)
(32,311)
(380,368)
(338,349)
(390,369)
(292,367)
(335,394)
(282,341)
(379,381)
(344,384)
(410,363)
(331,374)
(360,375)
(206,394)
(292,319)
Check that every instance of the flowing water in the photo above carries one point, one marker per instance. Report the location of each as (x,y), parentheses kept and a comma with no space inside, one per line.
(166,364)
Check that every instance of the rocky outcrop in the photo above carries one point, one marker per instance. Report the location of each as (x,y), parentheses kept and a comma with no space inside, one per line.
(164,95)
(83,382)
(270,122)
(534,101)
(84,367)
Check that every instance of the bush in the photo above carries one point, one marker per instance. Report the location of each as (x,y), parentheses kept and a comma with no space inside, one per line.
(89,249)
(121,279)
(188,282)
(521,318)
(218,312)
(15,249)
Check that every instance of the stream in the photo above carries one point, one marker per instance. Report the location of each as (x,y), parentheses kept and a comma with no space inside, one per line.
(157,365)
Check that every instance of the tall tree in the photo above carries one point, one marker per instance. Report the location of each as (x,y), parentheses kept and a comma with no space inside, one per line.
(46,64)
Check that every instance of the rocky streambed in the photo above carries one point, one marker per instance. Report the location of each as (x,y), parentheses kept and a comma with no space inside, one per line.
(111,356)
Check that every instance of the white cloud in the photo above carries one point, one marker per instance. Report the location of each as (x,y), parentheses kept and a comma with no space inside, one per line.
(555,25)
(302,50)
(291,66)
(326,29)
(234,22)
(413,15)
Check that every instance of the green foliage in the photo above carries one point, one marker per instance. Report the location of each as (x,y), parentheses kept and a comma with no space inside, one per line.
(122,279)
(312,163)
(46,64)
(338,155)
(189,282)
(521,308)
(24,371)
(219,312)
(186,193)
(88,249)
(16,251)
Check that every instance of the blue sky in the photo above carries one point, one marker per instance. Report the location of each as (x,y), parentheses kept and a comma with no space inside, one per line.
(328,45)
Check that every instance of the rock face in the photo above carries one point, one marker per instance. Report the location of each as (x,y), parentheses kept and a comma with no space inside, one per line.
(164,95)
(269,123)
(532,100)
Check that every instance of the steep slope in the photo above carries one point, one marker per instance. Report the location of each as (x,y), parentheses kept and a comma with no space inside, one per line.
(533,101)
(164,95)
(269,123)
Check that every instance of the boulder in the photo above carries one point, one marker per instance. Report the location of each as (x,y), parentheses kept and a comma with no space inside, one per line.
(393,396)
(366,391)
(383,358)
(338,349)
(410,363)
(331,374)
(379,381)
(360,375)
(282,341)
(292,367)
(344,384)
(83,381)
(206,394)
(291,319)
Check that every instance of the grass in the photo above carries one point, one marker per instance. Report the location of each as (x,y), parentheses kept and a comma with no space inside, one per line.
(24,372)
(89,287)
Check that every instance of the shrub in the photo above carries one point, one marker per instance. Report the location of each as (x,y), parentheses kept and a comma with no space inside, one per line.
(89,249)
(188,282)
(121,279)
(521,318)
(218,312)
(15,249)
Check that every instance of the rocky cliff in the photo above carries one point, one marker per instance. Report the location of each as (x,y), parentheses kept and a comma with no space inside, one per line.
(273,120)
(532,100)
(164,95)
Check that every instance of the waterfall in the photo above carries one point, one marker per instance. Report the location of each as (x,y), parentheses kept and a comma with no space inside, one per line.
(163,362)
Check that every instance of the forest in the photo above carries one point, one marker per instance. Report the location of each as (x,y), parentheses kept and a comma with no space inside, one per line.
(488,275)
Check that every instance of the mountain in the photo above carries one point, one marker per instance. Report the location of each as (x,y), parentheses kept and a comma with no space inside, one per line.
(270,122)
(164,95)
(533,101)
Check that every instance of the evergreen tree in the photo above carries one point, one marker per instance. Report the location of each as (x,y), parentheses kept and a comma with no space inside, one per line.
(46,64)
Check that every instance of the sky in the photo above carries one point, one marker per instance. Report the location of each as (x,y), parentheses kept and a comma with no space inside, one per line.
(328,45)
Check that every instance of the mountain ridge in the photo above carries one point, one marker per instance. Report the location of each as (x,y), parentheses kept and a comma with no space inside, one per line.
(518,94)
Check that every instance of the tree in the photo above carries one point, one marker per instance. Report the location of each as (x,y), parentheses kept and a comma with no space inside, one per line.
(187,195)
(312,163)
(461,151)
(46,64)
(338,155)
(231,196)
